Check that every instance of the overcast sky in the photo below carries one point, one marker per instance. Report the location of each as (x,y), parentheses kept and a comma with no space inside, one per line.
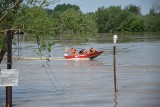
(92,5)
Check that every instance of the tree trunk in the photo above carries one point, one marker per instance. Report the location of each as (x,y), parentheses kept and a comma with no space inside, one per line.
(4,49)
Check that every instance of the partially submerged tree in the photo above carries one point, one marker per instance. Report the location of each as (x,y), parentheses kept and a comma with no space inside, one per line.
(36,21)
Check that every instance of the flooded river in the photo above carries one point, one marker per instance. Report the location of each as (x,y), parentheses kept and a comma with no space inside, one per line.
(90,83)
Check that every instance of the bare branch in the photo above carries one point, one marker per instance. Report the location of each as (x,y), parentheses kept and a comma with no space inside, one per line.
(44,1)
(4,15)
(51,2)
(16,4)
(48,2)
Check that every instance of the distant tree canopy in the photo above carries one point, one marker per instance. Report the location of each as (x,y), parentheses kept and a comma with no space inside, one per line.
(152,22)
(59,9)
(64,7)
(129,19)
(133,9)
(76,25)
(108,19)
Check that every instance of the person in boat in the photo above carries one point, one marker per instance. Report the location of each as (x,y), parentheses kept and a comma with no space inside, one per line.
(91,50)
(73,51)
(68,49)
(82,51)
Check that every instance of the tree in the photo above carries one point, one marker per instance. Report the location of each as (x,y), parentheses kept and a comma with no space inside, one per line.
(59,9)
(133,24)
(152,23)
(122,17)
(152,12)
(7,11)
(8,19)
(114,18)
(109,19)
(133,9)
(76,26)
(8,8)
(101,17)
(64,7)
(36,21)
(156,7)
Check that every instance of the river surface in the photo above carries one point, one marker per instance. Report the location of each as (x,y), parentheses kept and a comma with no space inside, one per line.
(90,83)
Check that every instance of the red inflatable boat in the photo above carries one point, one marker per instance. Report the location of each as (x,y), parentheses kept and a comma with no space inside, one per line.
(86,55)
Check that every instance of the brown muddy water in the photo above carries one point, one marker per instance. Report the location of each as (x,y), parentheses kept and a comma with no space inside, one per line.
(90,83)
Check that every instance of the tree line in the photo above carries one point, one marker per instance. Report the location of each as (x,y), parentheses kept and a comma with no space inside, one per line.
(68,19)
(115,19)
(129,19)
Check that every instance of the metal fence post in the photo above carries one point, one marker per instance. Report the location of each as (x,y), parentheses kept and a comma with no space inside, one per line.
(115,37)
(9,66)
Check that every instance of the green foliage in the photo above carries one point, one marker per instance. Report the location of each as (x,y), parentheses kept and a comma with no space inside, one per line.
(59,9)
(133,9)
(108,19)
(7,13)
(101,16)
(69,23)
(73,25)
(32,18)
(36,21)
(76,26)
(132,24)
(152,23)
(115,19)
(152,12)
(64,7)
(2,41)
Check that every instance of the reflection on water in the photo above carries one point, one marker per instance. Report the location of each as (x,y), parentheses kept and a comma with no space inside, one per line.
(89,83)
(115,100)
(83,63)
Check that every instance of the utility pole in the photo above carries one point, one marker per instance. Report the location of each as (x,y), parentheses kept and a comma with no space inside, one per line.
(9,66)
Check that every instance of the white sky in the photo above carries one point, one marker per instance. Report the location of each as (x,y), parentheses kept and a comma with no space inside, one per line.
(92,5)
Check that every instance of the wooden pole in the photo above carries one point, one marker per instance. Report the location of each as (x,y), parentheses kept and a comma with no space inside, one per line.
(9,66)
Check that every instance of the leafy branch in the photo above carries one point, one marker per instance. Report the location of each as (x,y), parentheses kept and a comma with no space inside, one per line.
(13,9)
